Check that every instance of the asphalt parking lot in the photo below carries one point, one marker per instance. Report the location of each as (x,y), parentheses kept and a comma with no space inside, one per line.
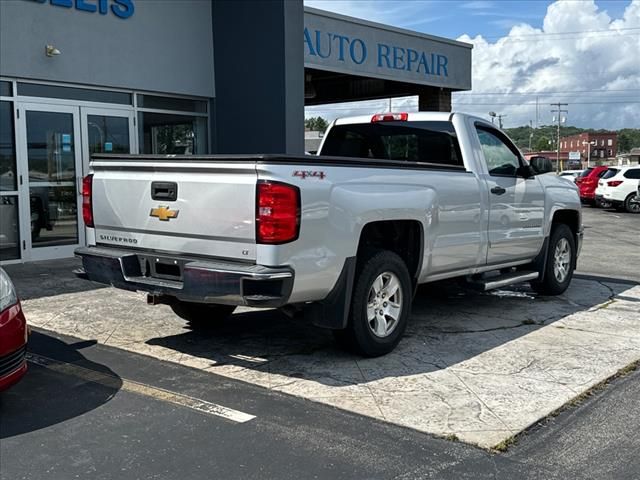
(266,397)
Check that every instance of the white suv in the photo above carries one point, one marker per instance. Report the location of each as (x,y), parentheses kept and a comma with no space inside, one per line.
(618,187)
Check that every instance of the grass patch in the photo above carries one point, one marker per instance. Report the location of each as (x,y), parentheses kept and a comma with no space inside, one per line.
(623,372)
(504,445)
(606,304)
(452,437)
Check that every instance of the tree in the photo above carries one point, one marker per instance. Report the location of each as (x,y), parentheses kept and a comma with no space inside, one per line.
(316,123)
(542,144)
(624,142)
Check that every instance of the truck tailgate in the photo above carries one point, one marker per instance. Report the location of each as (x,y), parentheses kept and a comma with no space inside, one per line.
(211,212)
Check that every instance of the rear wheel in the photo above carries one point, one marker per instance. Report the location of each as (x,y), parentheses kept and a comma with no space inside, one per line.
(602,203)
(203,315)
(380,305)
(561,259)
(632,203)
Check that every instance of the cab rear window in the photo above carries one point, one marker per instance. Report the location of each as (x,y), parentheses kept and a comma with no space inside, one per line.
(428,142)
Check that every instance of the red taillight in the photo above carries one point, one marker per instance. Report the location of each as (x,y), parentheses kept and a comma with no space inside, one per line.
(614,183)
(389,117)
(87,206)
(277,212)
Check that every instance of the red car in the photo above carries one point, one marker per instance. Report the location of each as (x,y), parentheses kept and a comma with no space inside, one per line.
(588,181)
(13,335)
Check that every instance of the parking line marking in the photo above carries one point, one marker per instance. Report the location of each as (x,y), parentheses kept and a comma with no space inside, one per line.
(156,393)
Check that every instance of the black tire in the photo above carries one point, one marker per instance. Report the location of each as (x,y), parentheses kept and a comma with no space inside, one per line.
(632,203)
(359,337)
(203,315)
(600,203)
(551,284)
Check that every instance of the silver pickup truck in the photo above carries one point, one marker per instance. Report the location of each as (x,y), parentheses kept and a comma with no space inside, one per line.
(341,239)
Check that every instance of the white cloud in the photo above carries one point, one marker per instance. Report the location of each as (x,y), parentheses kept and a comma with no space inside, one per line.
(550,61)
(597,73)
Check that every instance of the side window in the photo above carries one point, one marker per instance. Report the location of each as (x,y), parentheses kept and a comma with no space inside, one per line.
(633,173)
(501,160)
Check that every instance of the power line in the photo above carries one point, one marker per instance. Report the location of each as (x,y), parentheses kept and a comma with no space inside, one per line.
(557,39)
(533,103)
(549,92)
(458,102)
(565,33)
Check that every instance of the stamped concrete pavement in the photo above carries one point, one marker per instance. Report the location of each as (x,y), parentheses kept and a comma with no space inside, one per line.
(477,367)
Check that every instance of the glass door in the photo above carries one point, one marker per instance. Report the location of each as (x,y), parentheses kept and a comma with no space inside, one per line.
(49,137)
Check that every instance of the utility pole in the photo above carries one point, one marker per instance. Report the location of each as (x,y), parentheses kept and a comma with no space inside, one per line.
(493,115)
(530,133)
(559,111)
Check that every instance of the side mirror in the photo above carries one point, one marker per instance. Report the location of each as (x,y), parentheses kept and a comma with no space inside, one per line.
(526,171)
(541,165)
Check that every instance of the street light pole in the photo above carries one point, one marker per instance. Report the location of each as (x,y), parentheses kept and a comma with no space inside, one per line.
(588,152)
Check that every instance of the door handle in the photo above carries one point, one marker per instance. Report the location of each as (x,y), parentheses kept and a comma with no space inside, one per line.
(164,191)
(498,190)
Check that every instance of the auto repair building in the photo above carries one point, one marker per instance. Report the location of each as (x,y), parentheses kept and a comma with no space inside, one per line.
(179,77)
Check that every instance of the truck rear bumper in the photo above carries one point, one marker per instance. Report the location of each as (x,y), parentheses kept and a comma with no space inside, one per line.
(188,279)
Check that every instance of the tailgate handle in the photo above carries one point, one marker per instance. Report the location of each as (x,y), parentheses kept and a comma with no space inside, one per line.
(164,191)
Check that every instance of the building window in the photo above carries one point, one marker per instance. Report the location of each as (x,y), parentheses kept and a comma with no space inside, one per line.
(609,142)
(71,93)
(172,125)
(162,133)
(170,103)
(5,89)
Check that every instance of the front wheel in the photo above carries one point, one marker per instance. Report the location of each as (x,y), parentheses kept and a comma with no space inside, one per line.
(380,305)
(561,260)
(202,315)
(632,203)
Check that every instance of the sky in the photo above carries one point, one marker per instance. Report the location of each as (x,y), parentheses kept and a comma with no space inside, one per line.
(582,52)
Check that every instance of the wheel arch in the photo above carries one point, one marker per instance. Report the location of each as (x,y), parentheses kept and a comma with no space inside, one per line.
(404,237)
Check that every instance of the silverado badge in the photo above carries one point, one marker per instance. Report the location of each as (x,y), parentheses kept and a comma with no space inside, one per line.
(164,213)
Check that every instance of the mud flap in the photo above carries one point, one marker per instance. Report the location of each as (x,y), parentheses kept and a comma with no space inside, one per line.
(333,311)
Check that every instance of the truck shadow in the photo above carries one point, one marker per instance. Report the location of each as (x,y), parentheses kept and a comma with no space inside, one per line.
(449,324)
(49,394)
(48,278)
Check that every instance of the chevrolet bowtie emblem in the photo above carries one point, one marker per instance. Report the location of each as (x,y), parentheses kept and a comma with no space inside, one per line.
(164,213)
